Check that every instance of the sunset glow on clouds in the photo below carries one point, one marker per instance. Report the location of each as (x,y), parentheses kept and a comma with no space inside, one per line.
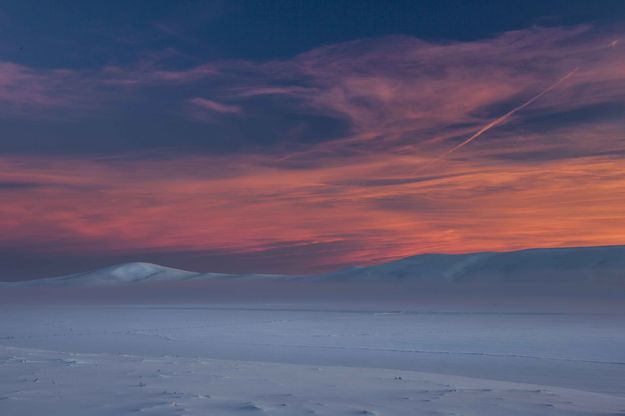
(346,167)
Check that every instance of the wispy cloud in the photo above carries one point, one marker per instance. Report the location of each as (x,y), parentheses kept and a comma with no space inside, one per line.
(23,89)
(405,92)
(211,105)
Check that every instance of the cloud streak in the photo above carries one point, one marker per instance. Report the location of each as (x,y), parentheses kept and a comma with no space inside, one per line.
(502,119)
(211,105)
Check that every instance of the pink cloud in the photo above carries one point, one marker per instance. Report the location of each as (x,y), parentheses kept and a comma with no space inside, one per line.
(389,90)
(406,92)
(147,74)
(211,105)
(22,88)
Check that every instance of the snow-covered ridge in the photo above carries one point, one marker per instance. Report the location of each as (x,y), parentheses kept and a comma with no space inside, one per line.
(556,266)
(534,266)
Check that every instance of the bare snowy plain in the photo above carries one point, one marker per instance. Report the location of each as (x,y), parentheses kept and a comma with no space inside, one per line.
(539,332)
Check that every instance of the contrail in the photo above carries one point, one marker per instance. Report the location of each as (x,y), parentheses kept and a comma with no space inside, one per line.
(502,118)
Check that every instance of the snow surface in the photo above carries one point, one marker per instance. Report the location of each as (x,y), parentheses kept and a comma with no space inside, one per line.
(238,360)
(66,384)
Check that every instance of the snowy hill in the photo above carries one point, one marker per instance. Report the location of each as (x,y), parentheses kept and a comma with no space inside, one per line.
(555,266)
(127,273)
(134,273)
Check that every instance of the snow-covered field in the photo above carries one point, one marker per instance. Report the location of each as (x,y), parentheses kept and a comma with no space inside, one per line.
(310,359)
(534,332)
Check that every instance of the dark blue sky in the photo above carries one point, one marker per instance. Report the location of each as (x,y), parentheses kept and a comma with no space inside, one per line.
(78,34)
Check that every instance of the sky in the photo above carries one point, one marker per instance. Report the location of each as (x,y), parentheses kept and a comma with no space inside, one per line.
(306,136)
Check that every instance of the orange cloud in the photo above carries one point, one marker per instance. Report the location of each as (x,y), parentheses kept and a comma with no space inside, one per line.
(167,205)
